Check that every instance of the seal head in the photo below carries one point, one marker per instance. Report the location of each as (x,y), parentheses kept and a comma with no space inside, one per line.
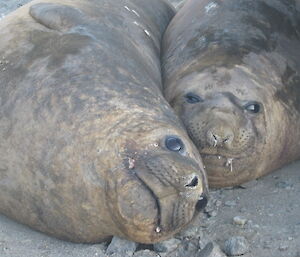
(225,76)
(161,192)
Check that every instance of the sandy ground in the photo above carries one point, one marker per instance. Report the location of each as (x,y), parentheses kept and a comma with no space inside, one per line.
(268,211)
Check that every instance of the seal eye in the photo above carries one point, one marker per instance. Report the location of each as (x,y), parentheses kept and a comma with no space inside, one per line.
(193,98)
(252,107)
(174,144)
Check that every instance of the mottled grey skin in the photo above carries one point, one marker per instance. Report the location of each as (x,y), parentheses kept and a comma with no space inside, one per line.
(232,72)
(83,123)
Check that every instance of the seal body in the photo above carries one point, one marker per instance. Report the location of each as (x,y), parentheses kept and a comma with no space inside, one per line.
(231,72)
(89,148)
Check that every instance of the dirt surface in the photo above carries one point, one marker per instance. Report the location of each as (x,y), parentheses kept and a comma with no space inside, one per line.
(258,219)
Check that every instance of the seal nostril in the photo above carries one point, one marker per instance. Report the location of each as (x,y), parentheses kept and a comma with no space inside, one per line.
(202,202)
(193,183)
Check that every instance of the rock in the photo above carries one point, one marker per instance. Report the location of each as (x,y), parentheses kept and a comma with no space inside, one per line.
(250,225)
(284,185)
(122,247)
(191,232)
(211,250)
(239,220)
(283,247)
(84,251)
(235,246)
(243,210)
(203,241)
(218,203)
(188,247)
(145,253)
(213,213)
(167,246)
(267,245)
(191,245)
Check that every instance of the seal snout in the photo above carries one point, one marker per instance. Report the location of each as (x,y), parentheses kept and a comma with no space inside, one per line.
(175,183)
(220,136)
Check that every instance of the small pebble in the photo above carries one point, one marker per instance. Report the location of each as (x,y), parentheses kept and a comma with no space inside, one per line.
(235,246)
(213,213)
(218,203)
(167,246)
(230,203)
(284,185)
(283,247)
(238,220)
(243,209)
(121,246)
(203,242)
(191,245)
(145,253)
(191,231)
(211,250)
(267,245)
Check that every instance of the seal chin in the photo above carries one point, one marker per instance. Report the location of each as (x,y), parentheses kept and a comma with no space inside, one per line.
(225,171)
(138,212)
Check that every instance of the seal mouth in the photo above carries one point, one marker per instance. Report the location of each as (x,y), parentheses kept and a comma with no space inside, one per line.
(223,171)
(176,186)
(173,211)
(156,196)
(226,163)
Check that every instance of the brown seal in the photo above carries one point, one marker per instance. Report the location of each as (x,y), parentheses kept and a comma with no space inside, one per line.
(89,147)
(231,72)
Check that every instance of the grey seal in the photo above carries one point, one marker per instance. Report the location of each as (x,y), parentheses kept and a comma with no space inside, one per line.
(231,72)
(89,147)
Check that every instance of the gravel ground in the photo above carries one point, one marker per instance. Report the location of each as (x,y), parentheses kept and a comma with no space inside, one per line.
(258,219)
(6,6)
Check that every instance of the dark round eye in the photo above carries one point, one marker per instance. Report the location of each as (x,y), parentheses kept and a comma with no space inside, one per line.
(252,107)
(174,144)
(193,98)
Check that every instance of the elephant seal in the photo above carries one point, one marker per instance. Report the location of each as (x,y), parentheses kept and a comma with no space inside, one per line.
(89,148)
(231,71)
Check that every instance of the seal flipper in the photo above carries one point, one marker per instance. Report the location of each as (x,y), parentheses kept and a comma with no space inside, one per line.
(56,16)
